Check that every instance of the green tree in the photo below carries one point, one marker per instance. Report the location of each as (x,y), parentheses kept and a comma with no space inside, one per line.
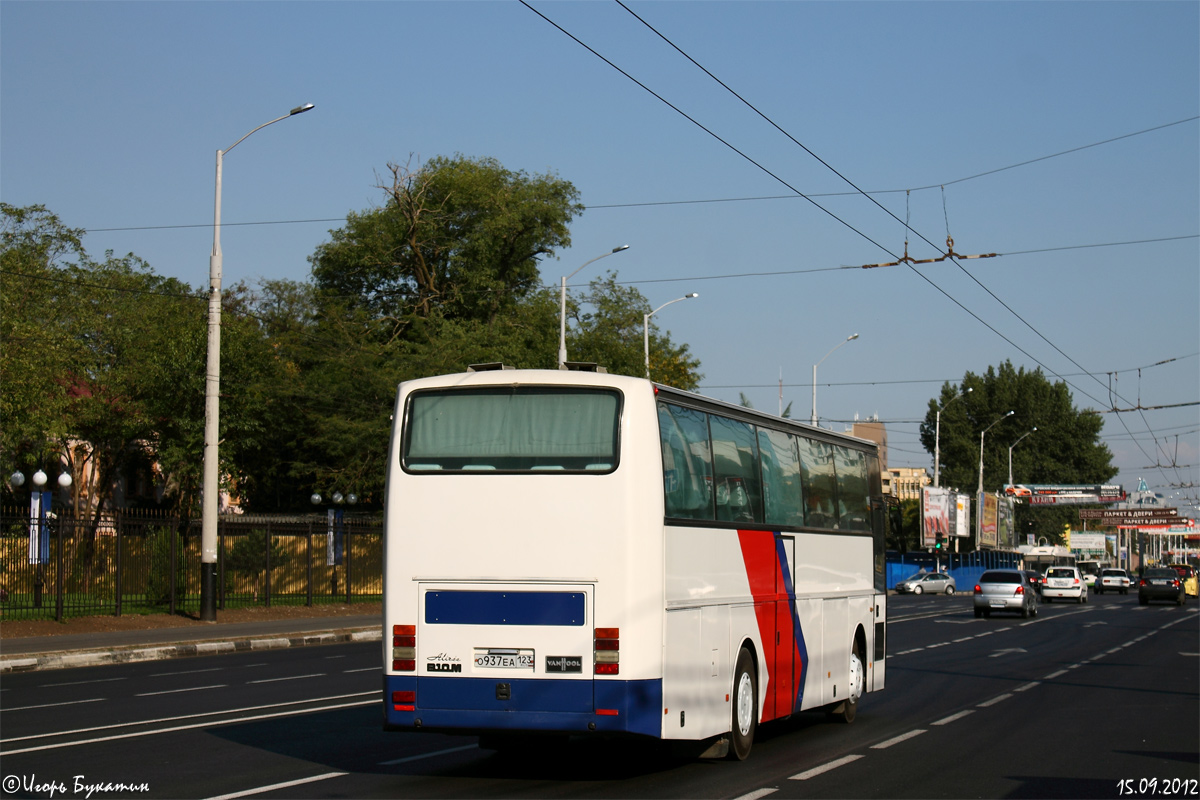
(1065,449)
(458,236)
(609,331)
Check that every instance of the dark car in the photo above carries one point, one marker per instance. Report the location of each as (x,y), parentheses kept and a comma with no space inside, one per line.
(1035,580)
(1005,590)
(1161,583)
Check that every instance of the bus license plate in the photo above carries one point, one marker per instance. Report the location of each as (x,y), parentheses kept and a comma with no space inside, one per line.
(496,658)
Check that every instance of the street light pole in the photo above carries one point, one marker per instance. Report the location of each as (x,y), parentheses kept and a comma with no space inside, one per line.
(646,327)
(979,491)
(1010,449)
(562,306)
(937,434)
(849,338)
(210,480)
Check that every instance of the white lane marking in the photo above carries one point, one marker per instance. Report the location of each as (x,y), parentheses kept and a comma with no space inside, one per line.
(190,716)
(1027,686)
(1054,675)
(405,760)
(757,793)
(815,771)
(363,669)
(188,689)
(276,786)
(288,678)
(904,737)
(994,700)
(79,683)
(954,717)
(173,729)
(185,672)
(53,705)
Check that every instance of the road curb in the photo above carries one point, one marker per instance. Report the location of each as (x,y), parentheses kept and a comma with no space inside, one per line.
(124,654)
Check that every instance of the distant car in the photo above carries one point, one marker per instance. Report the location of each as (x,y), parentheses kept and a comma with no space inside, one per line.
(1112,580)
(1064,583)
(927,583)
(1005,590)
(1161,583)
(1187,574)
(1035,580)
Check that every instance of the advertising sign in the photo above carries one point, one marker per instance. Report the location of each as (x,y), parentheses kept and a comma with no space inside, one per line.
(1088,542)
(1129,517)
(935,515)
(988,531)
(960,521)
(1066,494)
(1006,523)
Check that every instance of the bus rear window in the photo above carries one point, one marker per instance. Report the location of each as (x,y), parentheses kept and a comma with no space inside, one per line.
(512,429)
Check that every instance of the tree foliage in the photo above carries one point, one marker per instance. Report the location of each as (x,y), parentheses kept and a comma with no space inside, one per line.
(104,360)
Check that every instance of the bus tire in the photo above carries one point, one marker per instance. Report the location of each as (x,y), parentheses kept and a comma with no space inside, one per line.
(847,710)
(745,707)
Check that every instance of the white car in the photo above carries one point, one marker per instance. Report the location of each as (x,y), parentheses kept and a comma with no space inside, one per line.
(1112,580)
(1064,583)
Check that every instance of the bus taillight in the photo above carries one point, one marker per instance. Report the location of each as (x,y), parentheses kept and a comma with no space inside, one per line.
(404,701)
(404,648)
(606,654)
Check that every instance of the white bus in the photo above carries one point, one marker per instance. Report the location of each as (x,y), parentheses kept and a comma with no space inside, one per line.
(572,552)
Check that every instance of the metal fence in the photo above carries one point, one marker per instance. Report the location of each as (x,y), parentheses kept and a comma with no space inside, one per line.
(139,562)
(965,568)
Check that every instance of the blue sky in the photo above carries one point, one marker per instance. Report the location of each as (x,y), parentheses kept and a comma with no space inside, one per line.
(111,114)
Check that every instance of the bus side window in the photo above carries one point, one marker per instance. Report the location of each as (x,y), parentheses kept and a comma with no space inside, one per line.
(687,464)
(735,465)
(783,497)
(820,483)
(854,503)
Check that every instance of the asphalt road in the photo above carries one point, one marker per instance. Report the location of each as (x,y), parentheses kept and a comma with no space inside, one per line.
(1094,700)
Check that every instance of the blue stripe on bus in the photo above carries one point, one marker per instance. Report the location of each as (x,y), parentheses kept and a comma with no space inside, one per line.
(801,649)
(505,608)
(469,705)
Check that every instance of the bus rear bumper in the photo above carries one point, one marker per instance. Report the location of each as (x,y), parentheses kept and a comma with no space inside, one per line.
(475,705)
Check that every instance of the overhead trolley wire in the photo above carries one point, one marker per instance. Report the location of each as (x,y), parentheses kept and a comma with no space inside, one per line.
(950,255)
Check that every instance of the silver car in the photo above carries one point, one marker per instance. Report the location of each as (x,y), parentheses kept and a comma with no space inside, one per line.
(1005,590)
(927,583)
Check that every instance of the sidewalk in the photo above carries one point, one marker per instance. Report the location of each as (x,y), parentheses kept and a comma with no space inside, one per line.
(30,653)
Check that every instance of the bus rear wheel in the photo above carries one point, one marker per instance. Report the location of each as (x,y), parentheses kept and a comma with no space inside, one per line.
(745,707)
(847,710)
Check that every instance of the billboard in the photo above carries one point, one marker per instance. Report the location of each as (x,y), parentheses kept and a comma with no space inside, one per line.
(989,529)
(1049,494)
(935,515)
(960,516)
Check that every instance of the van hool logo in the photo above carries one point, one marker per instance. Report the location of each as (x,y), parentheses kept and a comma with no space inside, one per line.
(443,663)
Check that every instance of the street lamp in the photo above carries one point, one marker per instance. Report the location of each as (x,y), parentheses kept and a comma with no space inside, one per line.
(646,326)
(1010,449)
(979,491)
(562,306)
(850,338)
(210,484)
(937,434)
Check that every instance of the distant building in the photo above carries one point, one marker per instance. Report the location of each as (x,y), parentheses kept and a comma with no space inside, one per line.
(874,431)
(905,482)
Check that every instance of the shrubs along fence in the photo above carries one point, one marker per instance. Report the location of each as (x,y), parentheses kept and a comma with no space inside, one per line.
(135,563)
